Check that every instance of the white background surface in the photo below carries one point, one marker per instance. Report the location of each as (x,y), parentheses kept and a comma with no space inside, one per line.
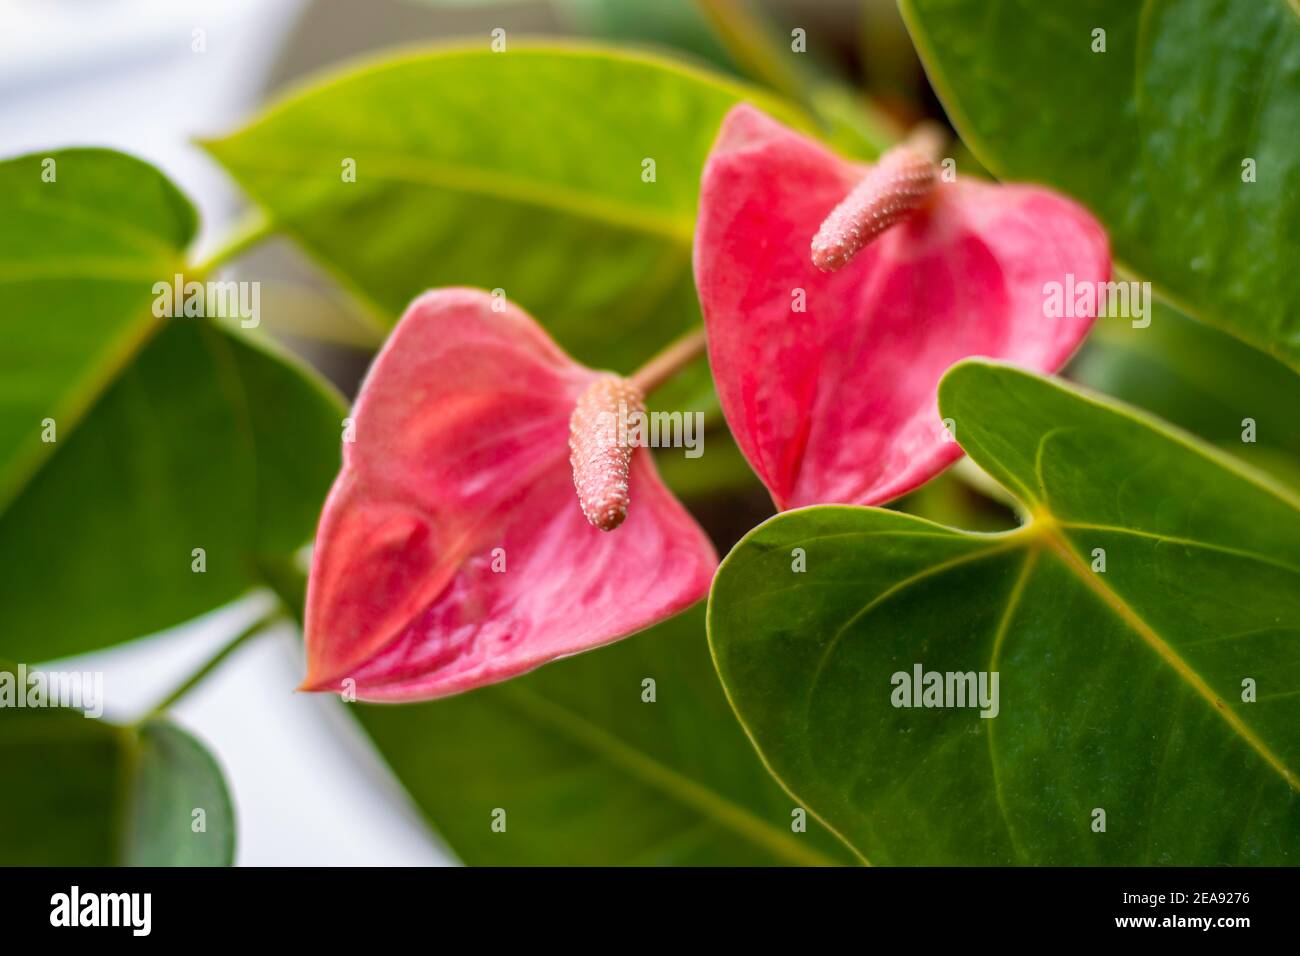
(122,73)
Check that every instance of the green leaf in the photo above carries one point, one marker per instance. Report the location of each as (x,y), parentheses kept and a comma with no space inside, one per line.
(519,171)
(61,807)
(88,793)
(1200,379)
(674,24)
(588,773)
(204,442)
(172,434)
(175,778)
(78,260)
(1152,134)
(1120,690)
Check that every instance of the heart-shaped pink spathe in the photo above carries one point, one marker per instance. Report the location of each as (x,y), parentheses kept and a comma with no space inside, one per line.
(838,403)
(452,551)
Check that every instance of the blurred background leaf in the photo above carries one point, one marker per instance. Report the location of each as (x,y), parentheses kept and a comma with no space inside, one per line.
(204,441)
(957,499)
(1202,380)
(172,434)
(175,778)
(588,773)
(78,259)
(677,25)
(519,170)
(83,792)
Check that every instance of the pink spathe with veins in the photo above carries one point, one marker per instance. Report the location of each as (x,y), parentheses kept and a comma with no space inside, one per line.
(838,403)
(452,551)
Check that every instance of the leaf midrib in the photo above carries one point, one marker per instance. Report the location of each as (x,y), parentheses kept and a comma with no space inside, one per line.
(77,399)
(1121,608)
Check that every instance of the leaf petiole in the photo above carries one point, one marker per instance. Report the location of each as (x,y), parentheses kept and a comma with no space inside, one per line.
(264,623)
(247,233)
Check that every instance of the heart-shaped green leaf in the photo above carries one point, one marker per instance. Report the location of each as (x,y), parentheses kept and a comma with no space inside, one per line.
(87,793)
(526,171)
(1143,624)
(1175,121)
(574,764)
(147,466)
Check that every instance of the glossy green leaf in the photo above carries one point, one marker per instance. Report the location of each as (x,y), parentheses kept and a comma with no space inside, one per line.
(520,171)
(84,792)
(171,435)
(587,772)
(1123,690)
(1157,134)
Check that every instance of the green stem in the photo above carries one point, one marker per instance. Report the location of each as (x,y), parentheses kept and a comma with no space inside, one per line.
(263,623)
(248,232)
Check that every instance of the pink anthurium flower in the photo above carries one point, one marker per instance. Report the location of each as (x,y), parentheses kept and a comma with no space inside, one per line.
(453,551)
(835,296)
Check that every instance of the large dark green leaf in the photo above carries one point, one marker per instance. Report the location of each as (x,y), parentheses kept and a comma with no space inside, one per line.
(519,170)
(589,773)
(1152,134)
(172,434)
(1120,689)
(83,792)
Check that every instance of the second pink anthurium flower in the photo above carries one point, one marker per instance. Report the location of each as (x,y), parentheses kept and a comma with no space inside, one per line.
(453,551)
(836,295)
